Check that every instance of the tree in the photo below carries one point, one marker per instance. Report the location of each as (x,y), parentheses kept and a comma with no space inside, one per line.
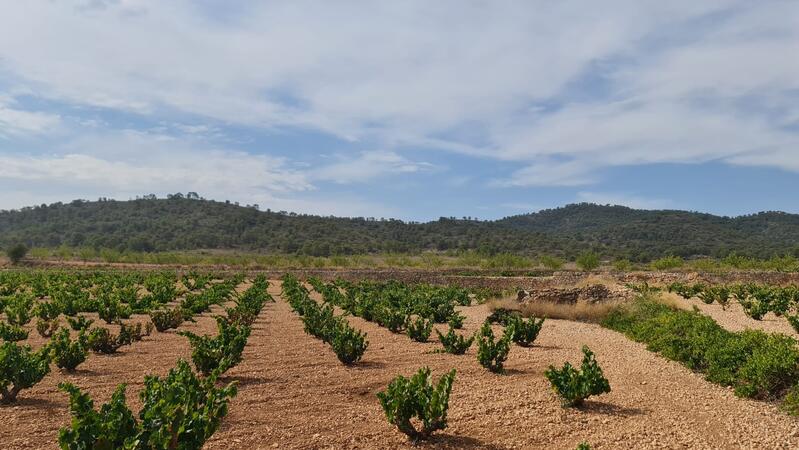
(16,252)
(588,261)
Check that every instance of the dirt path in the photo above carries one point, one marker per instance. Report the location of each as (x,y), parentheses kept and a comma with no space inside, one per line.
(294,394)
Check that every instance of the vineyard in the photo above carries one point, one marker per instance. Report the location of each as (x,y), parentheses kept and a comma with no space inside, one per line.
(150,360)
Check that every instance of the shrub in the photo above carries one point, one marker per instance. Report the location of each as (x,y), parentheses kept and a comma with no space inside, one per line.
(221,352)
(392,318)
(492,353)
(47,310)
(583,446)
(667,263)
(349,344)
(524,332)
(12,333)
(502,316)
(16,253)
(111,310)
(551,262)
(454,343)
(456,320)
(18,309)
(46,328)
(20,368)
(588,261)
(68,354)
(574,386)
(793,320)
(166,319)
(102,341)
(79,323)
(419,330)
(418,398)
(180,411)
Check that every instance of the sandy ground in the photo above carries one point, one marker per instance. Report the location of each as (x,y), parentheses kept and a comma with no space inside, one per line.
(294,394)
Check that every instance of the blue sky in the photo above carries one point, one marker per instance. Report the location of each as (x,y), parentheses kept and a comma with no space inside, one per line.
(408,109)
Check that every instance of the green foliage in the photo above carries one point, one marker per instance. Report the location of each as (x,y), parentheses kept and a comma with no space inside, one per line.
(406,399)
(573,386)
(491,352)
(552,262)
(102,341)
(588,261)
(219,353)
(583,446)
(18,309)
(20,368)
(68,354)
(79,323)
(623,265)
(16,253)
(12,333)
(502,316)
(757,364)
(456,320)
(419,329)
(667,263)
(454,343)
(46,328)
(524,332)
(111,310)
(349,344)
(47,311)
(166,319)
(180,412)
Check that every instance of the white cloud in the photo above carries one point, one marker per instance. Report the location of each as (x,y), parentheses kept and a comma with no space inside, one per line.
(368,166)
(17,122)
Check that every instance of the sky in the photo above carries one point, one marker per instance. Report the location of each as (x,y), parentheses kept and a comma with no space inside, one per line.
(411,109)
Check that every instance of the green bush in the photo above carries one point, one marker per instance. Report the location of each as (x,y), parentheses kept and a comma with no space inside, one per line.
(12,333)
(502,316)
(18,309)
(392,318)
(111,310)
(79,323)
(221,352)
(454,343)
(419,329)
(588,261)
(68,354)
(456,320)
(667,263)
(102,341)
(16,253)
(20,368)
(491,352)
(524,332)
(551,262)
(574,386)
(180,411)
(46,328)
(47,310)
(349,344)
(416,397)
(166,319)
(757,364)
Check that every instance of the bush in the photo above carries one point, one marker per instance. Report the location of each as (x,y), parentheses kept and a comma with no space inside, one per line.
(667,263)
(79,323)
(349,344)
(757,364)
(454,343)
(524,332)
(492,353)
(588,261)
(180,411)
(20,368)
(418,398)
(552,262)
(18,309)
(392,318)
(102,341)
(166,319)
(221,352)
(68,354)
(47,310)
(419,330)
(574,386)
(46,328)
(502,316)
(16,253)
(456,320)
(12,333)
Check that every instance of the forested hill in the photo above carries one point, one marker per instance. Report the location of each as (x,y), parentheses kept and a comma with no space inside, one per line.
(180,223)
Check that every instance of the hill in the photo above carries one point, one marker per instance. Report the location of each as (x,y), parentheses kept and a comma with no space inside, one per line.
(180,223)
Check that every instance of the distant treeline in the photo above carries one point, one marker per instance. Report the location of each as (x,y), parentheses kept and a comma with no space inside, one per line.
(188,222)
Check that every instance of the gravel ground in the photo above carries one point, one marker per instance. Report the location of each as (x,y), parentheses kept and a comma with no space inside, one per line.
(294,394)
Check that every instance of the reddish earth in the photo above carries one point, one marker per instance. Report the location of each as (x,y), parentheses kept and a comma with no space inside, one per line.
(295,394)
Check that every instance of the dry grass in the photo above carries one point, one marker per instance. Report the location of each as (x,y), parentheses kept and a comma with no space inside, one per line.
(580,311)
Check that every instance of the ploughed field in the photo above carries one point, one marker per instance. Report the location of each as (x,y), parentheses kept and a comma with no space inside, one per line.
(294,391)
